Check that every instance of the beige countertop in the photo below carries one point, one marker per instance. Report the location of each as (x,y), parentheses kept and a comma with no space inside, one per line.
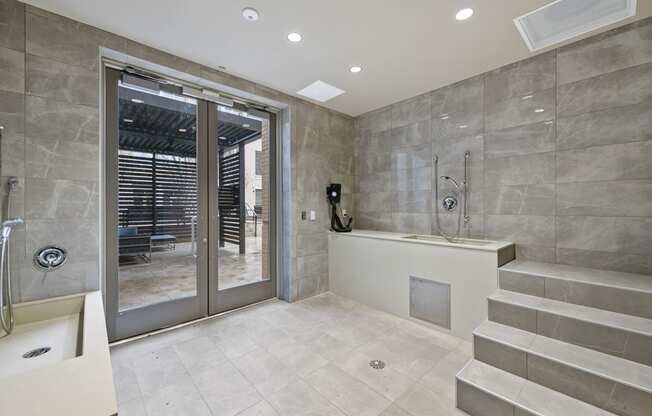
(81,385)
(464,243)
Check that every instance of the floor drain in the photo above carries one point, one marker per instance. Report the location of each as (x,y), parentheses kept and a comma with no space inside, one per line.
(36,352)
(377,364)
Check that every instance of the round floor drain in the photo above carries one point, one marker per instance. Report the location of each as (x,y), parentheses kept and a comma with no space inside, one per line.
(36,352)
(377,364)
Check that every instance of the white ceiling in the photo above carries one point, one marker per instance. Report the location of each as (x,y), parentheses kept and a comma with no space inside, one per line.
(405,47)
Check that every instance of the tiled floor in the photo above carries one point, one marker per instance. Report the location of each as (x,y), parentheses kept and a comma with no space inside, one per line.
(172,274)
(306,358)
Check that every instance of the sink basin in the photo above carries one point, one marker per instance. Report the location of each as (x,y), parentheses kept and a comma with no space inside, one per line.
(56,361)
(46,333)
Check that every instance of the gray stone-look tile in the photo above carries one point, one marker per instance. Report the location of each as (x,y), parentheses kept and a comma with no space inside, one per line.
(376,121)
(616,125)
(411,157)
(12,115)
(611,234)
(617,198)
(624,262)
(410,223)
(522,78)
(520,170)
(12,24)
(419,179)
(585,334)
(512,315)
(163,58)
(604,53)
(411,202)
(312,265)
(476,402)
(377,201)
(377,182)
(602,297)
(520,140)
(62,82)
(520,199)
(627,400)
(457,110)
(371,162)
(12,67)
(500,356)
(474,228)
(605,163)
(59,159)
(65,199)
(83,242)
(376,142)
(411,111)
(451,150)
(75,123)
(638,349)
(578,384)
(521,229)
(412,135)
(12,156)
(616,89)
(78,274)
(517,111)
(535,253)
(522,283)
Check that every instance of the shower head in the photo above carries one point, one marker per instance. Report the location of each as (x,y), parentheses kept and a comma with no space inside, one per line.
(448,178)
(13,182)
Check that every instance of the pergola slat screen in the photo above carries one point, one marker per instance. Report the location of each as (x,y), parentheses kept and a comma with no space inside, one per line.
(229,199)
(158,195)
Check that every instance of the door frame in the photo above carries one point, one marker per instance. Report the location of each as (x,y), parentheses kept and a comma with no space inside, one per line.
(208,300)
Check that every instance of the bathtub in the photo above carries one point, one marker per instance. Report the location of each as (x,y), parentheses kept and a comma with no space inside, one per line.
(419,277)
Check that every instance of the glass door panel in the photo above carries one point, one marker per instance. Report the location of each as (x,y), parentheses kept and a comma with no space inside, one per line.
(156,210)
(242,249)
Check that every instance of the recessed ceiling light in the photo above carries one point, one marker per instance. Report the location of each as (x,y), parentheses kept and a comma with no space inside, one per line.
(250,14)
(464,14)
(295,37)
(355,69)
(527,97)
(320,91)
(246,126)
(182,130)
(137,101)
(539,110)
(463,126)
(444,116)
(127,120)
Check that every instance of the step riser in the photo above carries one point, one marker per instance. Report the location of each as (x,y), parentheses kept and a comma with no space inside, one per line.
(476,402)
(630,302)
(598,391)
(621,343)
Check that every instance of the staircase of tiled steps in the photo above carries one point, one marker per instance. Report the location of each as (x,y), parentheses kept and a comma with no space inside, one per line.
(560,341)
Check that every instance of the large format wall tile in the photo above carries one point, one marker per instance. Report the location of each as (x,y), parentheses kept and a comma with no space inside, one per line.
(12,24)
(376,121)
(605,163)
(12,68)
(615,89)
(608,52)
(521,140)
(522,229)
(517,111)
(611,234)
(520,199)
(412,135)
(624,262)
(65,199)
(12,115)
(457,110)
(411,111)
(618,198)
(75,123)
(61,159)
(617,125)
(522,78)
(62,82)
(520,170)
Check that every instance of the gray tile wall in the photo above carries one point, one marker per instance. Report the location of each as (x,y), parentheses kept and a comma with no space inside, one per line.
(561,150)
(50,108)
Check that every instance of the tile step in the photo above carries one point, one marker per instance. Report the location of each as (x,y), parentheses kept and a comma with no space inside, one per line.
(526,397)
(626,293)
(612,368)
(587,314)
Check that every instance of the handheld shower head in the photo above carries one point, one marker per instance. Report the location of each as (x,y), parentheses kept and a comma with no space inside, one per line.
(449,178)
(8,225)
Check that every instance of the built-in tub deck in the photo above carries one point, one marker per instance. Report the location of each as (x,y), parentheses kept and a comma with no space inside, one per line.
(421,277)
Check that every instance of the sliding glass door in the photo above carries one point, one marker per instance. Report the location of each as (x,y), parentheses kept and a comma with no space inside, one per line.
(189,205)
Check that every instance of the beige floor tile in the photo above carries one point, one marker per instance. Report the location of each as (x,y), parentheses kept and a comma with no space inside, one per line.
(394,410)
(199,352)
(159,369)
(299,357)
(441,378)
(176,399)
(134,407)
(420,401)
(347,393)
(262,408)
(266,372)
(300,399)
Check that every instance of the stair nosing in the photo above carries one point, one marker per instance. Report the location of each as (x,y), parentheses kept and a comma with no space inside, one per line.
(551,275)
(595,372)
(539,306)
(524,382)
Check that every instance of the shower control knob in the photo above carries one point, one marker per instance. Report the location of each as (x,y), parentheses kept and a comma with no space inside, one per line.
(449,203)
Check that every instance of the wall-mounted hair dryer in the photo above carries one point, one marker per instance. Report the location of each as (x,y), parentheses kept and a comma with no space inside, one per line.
(334,196)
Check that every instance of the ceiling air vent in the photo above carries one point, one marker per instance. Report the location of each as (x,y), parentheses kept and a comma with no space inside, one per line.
(320,91)
(562,20)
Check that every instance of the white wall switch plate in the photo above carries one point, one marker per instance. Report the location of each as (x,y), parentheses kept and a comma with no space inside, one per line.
(313,215)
